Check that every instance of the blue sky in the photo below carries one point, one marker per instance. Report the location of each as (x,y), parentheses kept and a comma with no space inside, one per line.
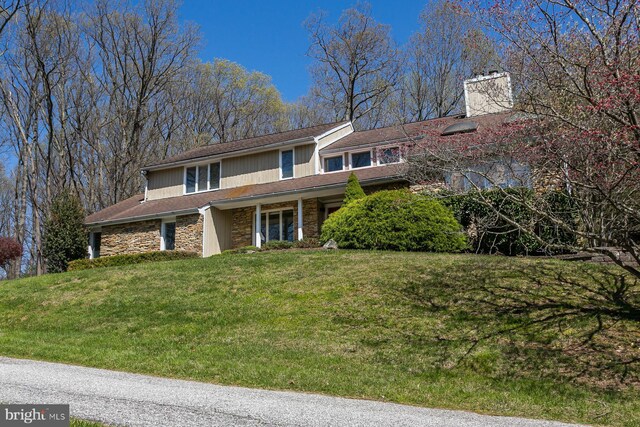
(268,36)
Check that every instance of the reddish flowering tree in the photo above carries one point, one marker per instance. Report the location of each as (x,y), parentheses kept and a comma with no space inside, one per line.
(575,67)
(10,250)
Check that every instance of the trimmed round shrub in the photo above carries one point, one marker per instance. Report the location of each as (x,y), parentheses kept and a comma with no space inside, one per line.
(395,220)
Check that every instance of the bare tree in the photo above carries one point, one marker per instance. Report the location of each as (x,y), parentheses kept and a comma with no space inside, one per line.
(225,102)
(79,94)
(6,204)
(448,48)
(141,52)
(9,9)
(357,63)
(576,69)
(306,113)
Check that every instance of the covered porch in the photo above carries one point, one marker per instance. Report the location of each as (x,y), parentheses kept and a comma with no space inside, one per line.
(265,220)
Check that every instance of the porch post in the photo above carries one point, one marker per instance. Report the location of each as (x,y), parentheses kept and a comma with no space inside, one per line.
(300,219)
(258,225)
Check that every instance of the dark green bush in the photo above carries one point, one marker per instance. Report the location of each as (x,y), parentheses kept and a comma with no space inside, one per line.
(277,245)
(65,238)
(489,233)
(395,220)
(116,260)
(353,190)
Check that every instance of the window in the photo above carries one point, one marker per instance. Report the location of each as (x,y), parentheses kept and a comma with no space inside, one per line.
(191,179)
(202,178)
(95,239)
(361,160)
(214,176)
(499,173)
(286,164)
(277,225)
(389,155)
(168,238)
(332,164)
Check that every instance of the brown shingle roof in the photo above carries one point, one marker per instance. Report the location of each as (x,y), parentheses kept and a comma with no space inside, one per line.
(410,131)
(247,144)
(134,210)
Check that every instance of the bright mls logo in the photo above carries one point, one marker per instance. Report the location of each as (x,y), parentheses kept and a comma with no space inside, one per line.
(34,415)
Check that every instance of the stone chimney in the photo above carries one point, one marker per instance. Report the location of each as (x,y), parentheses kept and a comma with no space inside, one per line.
(488,94)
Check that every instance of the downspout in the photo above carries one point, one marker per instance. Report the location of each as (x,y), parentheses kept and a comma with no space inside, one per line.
(146,184)
(203,211)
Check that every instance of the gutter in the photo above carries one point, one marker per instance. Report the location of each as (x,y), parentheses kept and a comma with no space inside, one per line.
(330,150)
(141,218)
(234,200)
(301,190)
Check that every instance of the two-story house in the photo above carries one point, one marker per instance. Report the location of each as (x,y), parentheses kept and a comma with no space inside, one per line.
(273,187)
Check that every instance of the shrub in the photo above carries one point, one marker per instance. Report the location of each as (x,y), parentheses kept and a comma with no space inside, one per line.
(395,220)
(489,233)
(307,243)
(117,260)
(65,238)
(277,245)
(10,249)
(242,250)
(353,190)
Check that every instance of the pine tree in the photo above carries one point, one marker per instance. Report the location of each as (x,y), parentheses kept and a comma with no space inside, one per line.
(65,237)
(353,191)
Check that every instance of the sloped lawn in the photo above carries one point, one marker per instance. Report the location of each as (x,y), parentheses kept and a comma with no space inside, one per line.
(510,336)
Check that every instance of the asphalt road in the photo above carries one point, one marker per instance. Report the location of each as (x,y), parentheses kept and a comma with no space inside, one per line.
(120,398)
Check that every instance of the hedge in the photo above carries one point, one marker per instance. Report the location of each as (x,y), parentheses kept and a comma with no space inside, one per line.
(116,260)
(488,233)
(395,220)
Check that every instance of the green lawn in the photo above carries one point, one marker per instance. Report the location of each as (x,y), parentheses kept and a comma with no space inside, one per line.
(509,336)
(83,423)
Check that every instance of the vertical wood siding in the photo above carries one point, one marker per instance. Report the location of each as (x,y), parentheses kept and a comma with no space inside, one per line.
(165,183)
(305,161)
(252,169)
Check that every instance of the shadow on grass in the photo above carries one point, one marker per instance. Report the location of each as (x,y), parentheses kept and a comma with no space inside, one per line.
(567,322)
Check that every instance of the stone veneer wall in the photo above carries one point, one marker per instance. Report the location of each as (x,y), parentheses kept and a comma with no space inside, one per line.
(130,238)
(242,218)
(144,236)
(544,180)
(189,233)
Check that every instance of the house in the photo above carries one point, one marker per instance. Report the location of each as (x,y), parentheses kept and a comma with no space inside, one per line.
(273,187)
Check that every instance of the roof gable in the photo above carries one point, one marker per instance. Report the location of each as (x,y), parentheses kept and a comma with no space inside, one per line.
(248,144)
(415,131)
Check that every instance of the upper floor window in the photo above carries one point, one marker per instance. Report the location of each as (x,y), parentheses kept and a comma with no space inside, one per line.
(389,155)
(332,164)
(286,164)
(202,178)
(361,160)
(214,176)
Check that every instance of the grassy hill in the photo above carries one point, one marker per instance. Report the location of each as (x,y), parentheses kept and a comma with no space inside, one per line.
(510,336)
